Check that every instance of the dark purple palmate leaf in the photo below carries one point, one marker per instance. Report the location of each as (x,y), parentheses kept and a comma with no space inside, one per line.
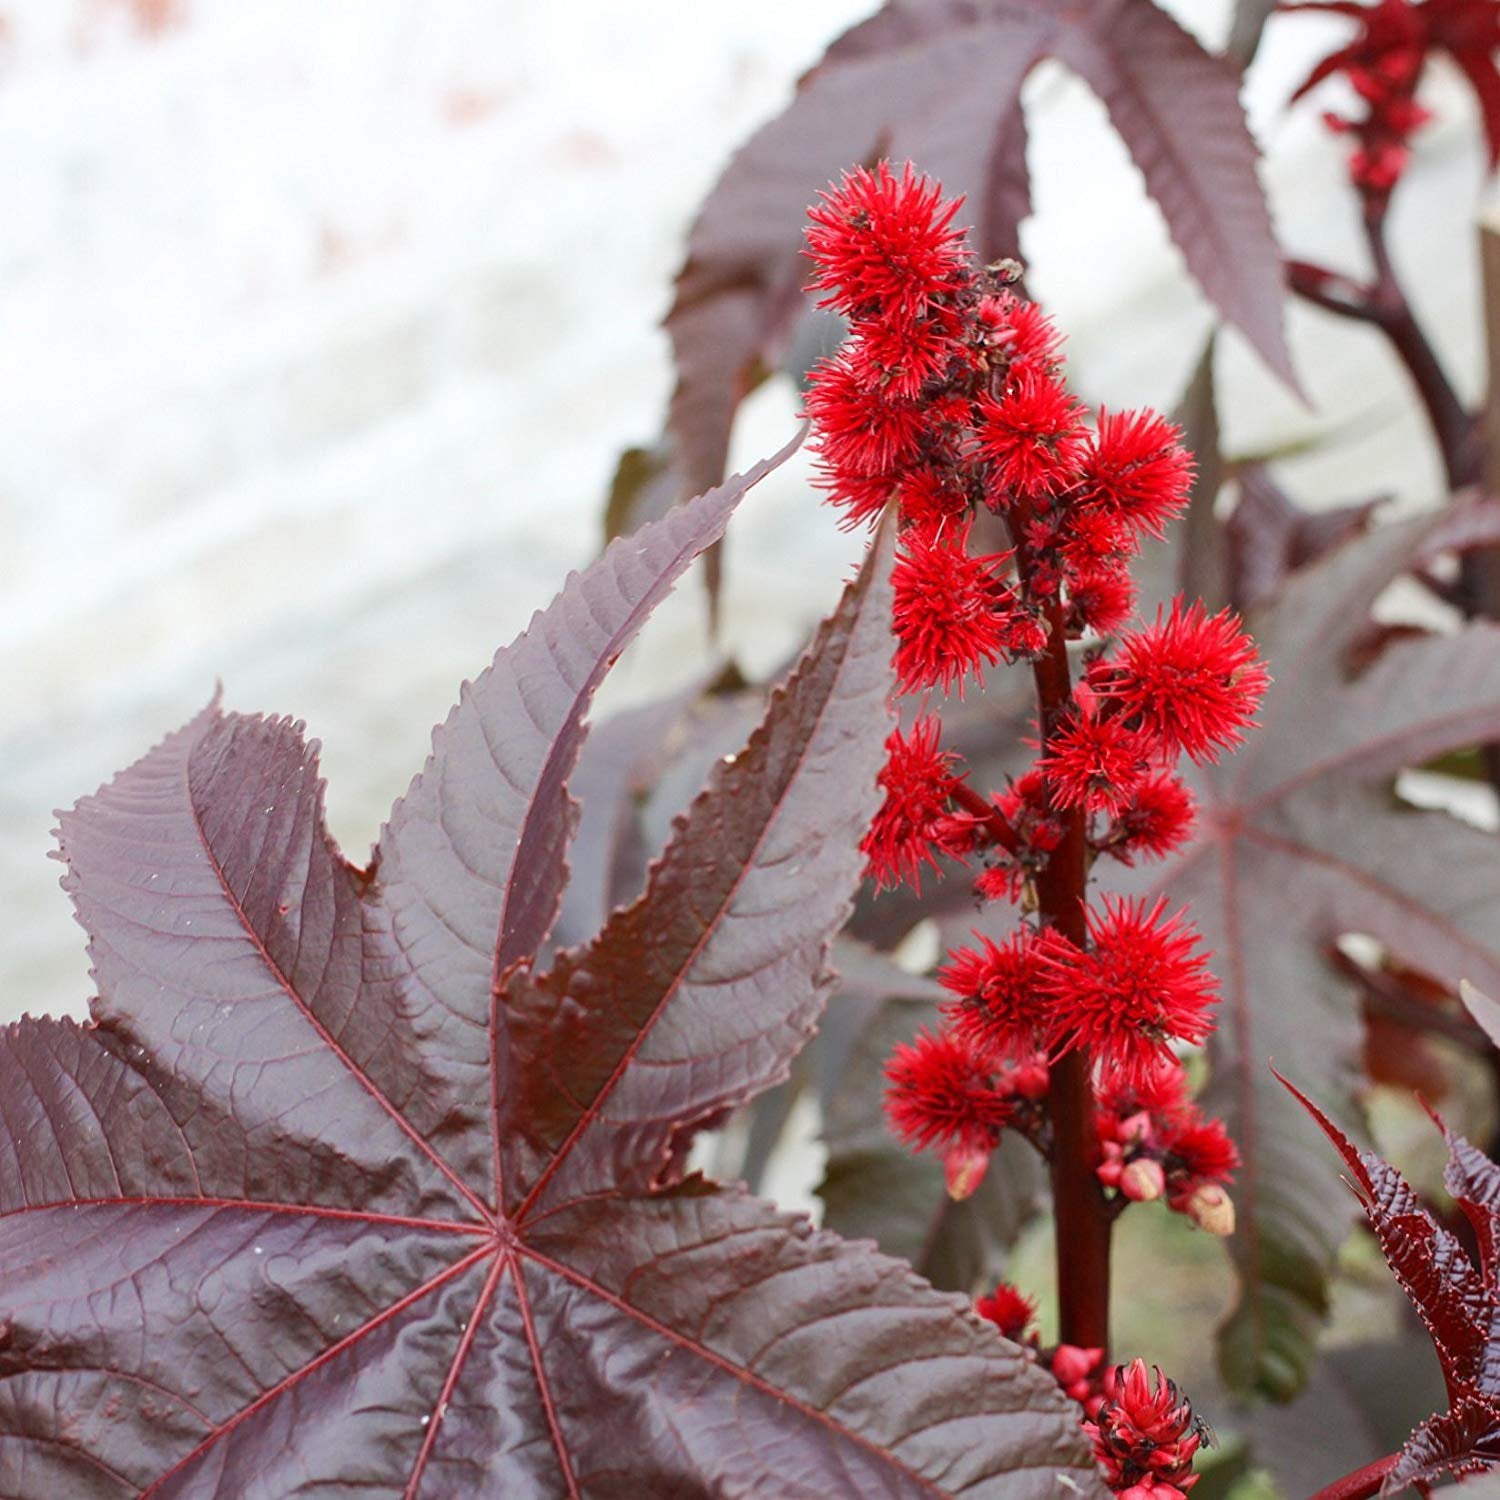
(331,1199)
(1301,841)
(1458,1303)
(939,82)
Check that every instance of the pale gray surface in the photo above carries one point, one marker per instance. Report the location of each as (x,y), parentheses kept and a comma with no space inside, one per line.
(323,324)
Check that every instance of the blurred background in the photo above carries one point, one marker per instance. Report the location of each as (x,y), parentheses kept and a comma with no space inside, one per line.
(323,325)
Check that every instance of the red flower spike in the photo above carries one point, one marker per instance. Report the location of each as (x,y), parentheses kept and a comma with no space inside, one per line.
(1191,680)
(941,1093)
(915,823)
(1138,987)
(999,1008)
(1157,819)
(1009,1309)
(1137,469)
(951,611)
(1095,763)
(858,428)
(1145,1435)
(884,246)
(1032,434)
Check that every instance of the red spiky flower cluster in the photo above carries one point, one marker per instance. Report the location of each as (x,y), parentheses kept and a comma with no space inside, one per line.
(1019,518)
(1018,515)
(1384,63)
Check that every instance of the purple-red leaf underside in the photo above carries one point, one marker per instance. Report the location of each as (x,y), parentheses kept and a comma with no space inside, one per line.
(252,1241)
(1301,842)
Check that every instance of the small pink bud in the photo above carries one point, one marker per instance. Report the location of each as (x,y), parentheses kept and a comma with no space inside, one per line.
(1211,1208)
(1070,1363)
(964,1168)
(1143,1180)
(1031,1081)
(1136,1127)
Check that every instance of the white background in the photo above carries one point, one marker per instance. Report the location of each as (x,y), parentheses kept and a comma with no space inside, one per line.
(322,323)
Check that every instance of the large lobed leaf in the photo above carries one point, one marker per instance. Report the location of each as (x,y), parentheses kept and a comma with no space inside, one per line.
(1302,841)
(336,1195)
(939,82)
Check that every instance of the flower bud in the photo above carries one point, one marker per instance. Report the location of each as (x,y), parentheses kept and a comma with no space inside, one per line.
(1211,1208)
(964,1168)
(1070,1363)
(1144,1181)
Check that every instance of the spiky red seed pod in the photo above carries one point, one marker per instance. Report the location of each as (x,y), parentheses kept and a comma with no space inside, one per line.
(884,246)
(929,500)
(1192,680)
(951,611)
(1102,598)
(1020,332)
(1095,763)
(941,1093)
(1139,986)
(900,357)
(1136,468)
(859,428)
(1009,1309)
(1032,433)
(999,1009)
(1157,819)
(1090,538)
(915,823)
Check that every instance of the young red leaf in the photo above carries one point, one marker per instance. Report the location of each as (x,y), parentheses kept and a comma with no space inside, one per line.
(253,1235)
(1459,1305)
(1452,1299)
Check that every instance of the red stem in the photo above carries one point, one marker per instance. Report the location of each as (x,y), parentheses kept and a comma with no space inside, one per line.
(989,817)
(1081,1216)
(1361,1484)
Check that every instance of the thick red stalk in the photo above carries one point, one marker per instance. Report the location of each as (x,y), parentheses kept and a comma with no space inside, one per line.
(1361,1484)
(1081,1217)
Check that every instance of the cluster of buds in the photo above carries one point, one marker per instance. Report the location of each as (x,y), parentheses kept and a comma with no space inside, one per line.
(1145,1435)
(1154,1142)
(1080,1372)
(1383,65)
(1019,517)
